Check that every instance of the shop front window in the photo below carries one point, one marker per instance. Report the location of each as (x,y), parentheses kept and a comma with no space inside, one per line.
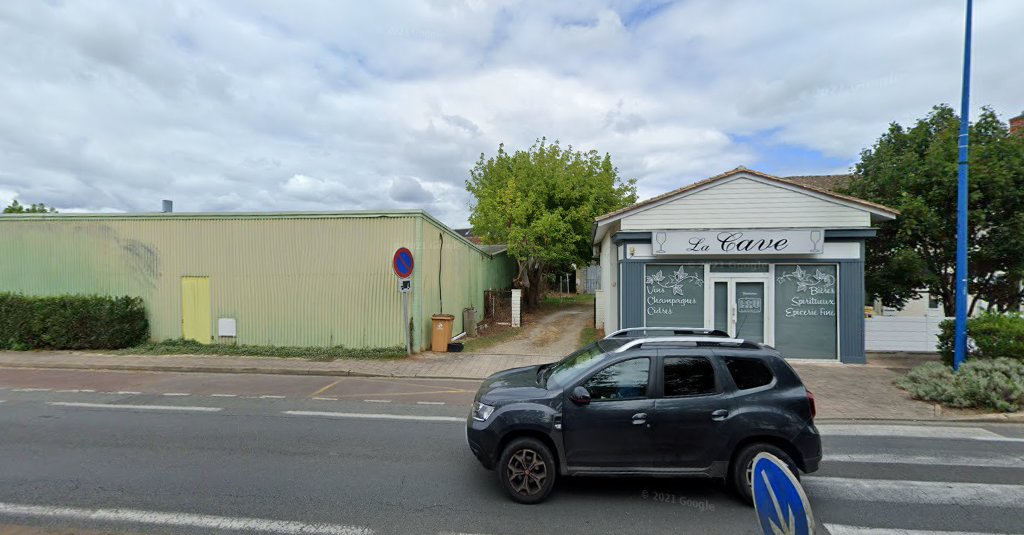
(674,295)
(806,311)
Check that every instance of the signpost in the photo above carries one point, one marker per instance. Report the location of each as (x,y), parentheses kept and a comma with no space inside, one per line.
(780,502)
(403,263)
(960,325)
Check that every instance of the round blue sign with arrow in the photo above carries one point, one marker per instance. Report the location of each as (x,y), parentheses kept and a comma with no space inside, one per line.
(402,263)
(782,507)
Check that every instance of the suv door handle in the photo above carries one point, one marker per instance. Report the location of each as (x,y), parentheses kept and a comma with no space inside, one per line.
(640,418)
(719,415)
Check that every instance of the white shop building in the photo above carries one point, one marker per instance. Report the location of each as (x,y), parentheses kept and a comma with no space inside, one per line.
(760,257)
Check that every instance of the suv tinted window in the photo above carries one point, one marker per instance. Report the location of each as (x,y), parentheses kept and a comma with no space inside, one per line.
(748,373)
(624,380)
(688,376)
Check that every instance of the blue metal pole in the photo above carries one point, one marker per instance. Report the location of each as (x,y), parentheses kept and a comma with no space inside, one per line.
(961,200)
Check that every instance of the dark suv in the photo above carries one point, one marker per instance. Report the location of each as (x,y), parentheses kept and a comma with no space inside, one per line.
(697,404)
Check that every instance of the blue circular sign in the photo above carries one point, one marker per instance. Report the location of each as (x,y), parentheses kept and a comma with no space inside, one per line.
(402,263)
(779,499)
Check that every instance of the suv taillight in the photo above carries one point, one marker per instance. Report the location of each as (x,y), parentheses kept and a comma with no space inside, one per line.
(810,400)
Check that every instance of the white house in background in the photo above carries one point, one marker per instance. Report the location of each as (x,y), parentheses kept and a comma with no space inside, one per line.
(764,258)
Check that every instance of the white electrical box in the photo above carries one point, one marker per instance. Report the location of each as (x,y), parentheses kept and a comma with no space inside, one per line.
(226,327)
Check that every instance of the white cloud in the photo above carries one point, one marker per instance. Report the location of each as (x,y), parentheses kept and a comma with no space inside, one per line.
(6,196)
(324,105)
(407,189)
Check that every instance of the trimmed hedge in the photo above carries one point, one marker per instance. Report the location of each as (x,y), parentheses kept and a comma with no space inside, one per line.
(991,336)
(981,384)
(71,322)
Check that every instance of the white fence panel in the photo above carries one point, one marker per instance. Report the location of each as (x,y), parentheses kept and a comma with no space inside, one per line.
(892,333)
(599,309)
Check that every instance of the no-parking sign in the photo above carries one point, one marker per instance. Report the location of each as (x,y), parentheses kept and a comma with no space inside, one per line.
(402,263)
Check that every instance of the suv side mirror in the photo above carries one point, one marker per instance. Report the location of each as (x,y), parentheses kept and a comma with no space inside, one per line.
(580,396)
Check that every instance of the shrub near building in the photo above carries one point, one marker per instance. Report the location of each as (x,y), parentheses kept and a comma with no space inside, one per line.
(992,336)
(71,322)
(993,376)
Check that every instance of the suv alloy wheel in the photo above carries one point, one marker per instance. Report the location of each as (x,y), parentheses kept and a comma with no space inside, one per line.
(742,468)
(527,470)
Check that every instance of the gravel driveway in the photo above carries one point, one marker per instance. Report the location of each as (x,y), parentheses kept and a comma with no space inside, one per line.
(554,334)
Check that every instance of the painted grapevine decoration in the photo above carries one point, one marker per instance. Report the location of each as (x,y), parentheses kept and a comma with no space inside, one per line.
(819,282)
(675,280)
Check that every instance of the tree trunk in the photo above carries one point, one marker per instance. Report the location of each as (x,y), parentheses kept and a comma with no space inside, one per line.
(948,292)
(529,279)
(535,273)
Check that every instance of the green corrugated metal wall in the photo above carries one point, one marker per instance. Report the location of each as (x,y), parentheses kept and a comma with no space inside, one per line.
(287,279)
(455,276)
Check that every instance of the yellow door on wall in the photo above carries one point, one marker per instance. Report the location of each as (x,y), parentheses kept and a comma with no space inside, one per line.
(195,309)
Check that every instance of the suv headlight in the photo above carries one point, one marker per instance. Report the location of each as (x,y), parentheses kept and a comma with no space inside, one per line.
(482,412)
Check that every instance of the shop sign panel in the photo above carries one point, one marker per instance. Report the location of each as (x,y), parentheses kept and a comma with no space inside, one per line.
(738,242)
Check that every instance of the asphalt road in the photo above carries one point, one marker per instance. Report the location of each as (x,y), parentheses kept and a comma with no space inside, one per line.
(87,452)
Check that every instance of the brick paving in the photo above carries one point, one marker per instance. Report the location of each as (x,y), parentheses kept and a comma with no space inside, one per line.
(842,391)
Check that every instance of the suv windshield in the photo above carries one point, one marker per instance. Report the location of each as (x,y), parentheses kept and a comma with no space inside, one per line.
(571,366)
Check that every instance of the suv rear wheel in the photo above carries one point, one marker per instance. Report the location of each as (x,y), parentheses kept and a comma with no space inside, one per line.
(742,469)
(526,470)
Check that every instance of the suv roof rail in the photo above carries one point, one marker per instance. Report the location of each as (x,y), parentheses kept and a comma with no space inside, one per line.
(699,340)
(675,331)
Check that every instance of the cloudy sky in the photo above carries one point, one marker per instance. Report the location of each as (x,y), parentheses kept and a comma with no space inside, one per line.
(342,105)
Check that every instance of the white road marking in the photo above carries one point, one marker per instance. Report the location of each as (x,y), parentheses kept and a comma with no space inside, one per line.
(30,390)
(840,529)
(129,393)
(138,407)
(915,492)
(929,460)
(3,401)
(430,403)
(223,395)
(87,390)
(377,416)
(178,394)
(209,522)
(377,400)
(327,399)
(912,431)
(271,397)
(70,390)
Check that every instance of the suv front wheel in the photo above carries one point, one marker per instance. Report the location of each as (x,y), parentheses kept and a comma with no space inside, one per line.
(742,469)
(526,470)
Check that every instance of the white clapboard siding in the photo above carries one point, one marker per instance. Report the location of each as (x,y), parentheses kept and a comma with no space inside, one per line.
(748,203)
(894,333)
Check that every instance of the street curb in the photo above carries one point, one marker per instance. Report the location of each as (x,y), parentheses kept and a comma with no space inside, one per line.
(227,370)
(980,419)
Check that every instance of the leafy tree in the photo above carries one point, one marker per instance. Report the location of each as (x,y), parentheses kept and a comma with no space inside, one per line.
(542,203)
(914,170)
(18,208)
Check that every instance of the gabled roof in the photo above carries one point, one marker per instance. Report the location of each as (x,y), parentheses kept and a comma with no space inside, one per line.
(794,183)
(833,183)
(869,206)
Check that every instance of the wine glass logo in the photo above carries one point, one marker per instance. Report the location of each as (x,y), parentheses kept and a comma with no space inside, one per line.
(815,241)
(660,237)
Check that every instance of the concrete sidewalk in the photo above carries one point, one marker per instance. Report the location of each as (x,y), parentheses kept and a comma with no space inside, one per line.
(424,365)
(855,392)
